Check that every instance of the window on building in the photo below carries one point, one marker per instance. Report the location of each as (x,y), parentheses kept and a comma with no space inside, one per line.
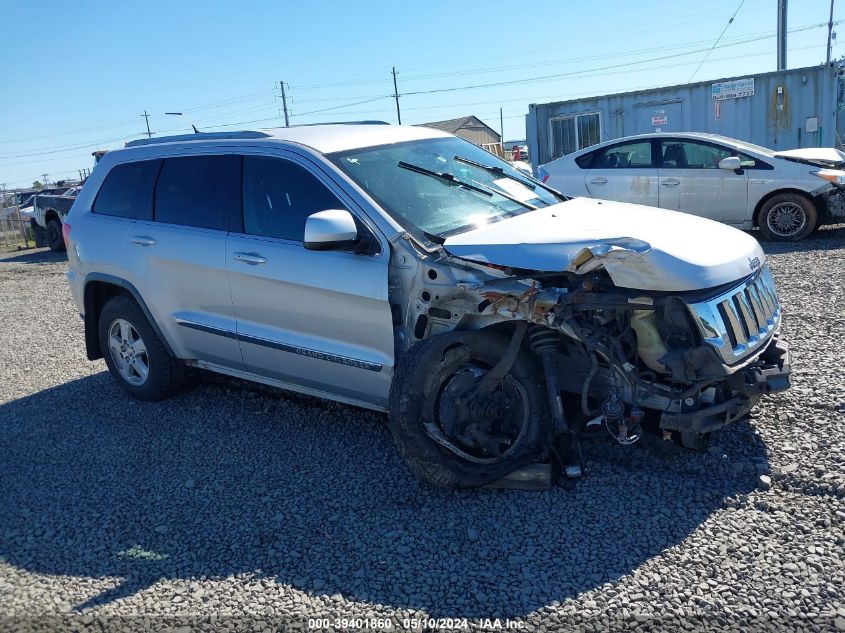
(127,191)
(571,133)
(198,191)
(625,155)
(279,196)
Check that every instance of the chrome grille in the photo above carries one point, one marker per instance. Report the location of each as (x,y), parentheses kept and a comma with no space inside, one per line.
(739,321)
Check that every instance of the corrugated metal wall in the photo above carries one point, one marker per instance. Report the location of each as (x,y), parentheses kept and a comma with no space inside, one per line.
(776,115)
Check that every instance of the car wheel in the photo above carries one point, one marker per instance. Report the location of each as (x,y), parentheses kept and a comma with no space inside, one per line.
(38,234)
(54,236)
(452,440)
(134,354)
(787,217)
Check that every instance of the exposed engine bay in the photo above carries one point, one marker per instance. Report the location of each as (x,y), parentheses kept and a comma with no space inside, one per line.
(676,365)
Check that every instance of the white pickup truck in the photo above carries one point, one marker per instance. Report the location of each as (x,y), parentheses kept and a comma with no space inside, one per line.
(49,212)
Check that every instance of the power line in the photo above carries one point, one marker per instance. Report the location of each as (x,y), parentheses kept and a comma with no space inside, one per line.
(566,42)
(589,70)
(347,105)
(595,71)
(718,39)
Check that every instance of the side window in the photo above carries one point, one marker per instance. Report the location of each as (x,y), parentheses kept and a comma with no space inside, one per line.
(692,155)
(127,191)
(279,196)
(625,155)
(198,191)
(749,162)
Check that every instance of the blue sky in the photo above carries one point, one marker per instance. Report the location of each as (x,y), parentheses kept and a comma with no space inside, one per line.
(78,75)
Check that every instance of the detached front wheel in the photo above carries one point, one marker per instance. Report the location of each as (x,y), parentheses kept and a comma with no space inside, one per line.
(452,435)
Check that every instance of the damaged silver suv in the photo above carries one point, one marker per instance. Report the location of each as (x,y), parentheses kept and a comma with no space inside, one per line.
(406,270)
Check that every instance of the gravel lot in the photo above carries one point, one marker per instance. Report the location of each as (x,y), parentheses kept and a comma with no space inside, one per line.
(233,506)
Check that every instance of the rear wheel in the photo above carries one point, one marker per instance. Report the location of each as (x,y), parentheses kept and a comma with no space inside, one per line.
(452,437)
(134,354)
(787,217)
(54,236)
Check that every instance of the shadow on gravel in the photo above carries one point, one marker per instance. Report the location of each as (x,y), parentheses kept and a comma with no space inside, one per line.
(827,238)
(39,256)
(231,479)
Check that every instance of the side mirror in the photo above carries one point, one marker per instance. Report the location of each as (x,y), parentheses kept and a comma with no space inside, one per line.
(330,230)
(731,163)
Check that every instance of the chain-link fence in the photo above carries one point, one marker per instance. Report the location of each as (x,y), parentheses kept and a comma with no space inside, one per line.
(15,227)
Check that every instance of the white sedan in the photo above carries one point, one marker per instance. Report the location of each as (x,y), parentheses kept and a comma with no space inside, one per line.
(788,194)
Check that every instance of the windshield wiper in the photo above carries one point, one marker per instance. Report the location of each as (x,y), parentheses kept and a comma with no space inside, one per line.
(499,171)
(445,177)
(450,179)
(436,239)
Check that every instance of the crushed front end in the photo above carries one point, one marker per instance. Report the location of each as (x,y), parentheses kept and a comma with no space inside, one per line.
(682,363)
(676,364)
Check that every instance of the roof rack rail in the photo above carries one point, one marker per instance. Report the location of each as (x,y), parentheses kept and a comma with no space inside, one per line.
(198,136)
(343,123)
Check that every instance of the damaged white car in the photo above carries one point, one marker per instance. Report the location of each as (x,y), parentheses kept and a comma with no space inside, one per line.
(406,270)
(786,193)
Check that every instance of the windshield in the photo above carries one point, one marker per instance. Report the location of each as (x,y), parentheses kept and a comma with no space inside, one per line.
(457,187)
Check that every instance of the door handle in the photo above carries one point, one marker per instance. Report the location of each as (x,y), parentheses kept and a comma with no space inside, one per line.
(142,240)
(250,258)
(670,182)
(598,180)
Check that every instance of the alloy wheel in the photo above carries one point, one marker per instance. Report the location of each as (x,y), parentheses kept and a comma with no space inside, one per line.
(128,352)
(786,219)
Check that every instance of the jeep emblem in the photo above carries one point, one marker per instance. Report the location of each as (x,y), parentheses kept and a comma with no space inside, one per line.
(754,263)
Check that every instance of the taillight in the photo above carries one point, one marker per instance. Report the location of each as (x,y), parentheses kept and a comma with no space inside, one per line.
(66,233)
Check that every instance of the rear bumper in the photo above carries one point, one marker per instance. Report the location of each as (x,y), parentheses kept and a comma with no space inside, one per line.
(769,374)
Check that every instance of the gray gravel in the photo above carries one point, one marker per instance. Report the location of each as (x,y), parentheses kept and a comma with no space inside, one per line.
(237,507)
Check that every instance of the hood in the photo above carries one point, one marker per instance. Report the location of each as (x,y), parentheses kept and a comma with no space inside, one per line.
(640,247)
(820,154)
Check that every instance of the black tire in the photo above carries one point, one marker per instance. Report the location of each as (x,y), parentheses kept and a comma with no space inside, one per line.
(783,208)
(38,234)
(54,236)
(165,374)
(416,398)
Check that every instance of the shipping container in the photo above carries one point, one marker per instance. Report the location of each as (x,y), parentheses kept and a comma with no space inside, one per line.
(782,110)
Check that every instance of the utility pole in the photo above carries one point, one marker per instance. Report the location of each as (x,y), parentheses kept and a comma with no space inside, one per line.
(284,103)
(829,31)
(147,119)
(396,96)
(781,34)
(44,176)
(502,130)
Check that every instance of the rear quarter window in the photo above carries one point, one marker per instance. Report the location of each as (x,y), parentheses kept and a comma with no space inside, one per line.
(127,191)
(585,160)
